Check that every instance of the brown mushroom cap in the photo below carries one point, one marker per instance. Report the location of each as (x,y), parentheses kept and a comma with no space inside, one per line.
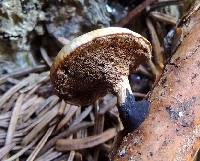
(93,64)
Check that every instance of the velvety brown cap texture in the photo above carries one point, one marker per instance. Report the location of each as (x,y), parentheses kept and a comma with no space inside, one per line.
(92,65)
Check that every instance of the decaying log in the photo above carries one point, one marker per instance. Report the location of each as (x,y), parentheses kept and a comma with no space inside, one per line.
(172,130)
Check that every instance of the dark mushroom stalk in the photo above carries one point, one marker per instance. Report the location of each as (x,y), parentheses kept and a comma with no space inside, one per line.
(99,62)
(132,113)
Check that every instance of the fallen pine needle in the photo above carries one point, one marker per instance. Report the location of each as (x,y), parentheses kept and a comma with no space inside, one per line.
(66,133)
(13,90)
(47,118)
(67,117)
(6,149)
(71,156)
(53,155)
(88,142)
(13,120)
(21,152)
(40,144)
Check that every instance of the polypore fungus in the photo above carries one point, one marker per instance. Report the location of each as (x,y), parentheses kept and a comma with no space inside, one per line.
(99,62)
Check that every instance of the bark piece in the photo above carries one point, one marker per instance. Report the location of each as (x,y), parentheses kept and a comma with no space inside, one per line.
(172,130)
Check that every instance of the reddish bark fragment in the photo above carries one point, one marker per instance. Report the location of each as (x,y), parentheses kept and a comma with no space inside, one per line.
(172,130)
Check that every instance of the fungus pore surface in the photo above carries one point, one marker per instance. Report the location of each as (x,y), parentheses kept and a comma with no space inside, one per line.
(95,68)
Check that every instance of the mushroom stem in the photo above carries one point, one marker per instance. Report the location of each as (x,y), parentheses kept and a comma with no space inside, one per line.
(132,113)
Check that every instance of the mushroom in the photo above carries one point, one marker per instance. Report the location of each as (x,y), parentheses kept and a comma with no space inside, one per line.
(99,62)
